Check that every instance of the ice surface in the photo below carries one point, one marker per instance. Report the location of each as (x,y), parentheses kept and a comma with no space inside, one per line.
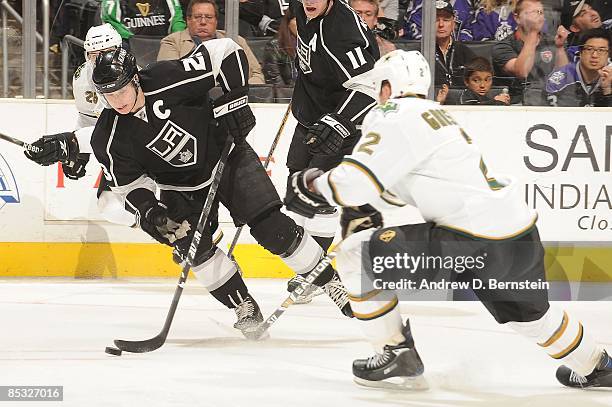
(53,332)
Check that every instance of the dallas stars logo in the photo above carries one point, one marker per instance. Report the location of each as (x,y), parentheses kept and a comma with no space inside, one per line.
(387,107)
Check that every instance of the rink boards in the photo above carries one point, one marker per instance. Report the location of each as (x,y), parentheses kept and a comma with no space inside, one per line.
(49,225)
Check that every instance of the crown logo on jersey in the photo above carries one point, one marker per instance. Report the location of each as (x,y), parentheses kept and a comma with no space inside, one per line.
(144,8)
(175,145)
(387,236)
(303,52)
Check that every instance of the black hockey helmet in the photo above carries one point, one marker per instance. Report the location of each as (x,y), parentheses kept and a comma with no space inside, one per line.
(113,70)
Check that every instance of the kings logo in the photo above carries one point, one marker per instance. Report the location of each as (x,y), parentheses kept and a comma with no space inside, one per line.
(304,50)
(9,192)
(175,145)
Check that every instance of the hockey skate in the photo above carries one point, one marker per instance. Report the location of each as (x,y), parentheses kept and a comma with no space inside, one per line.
(399,367)
(249,317)
(308,294)
(600,377)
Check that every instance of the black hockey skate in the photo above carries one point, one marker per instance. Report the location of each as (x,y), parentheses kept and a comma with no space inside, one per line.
(398,367)
(249,317)
(308,294)
(600,377)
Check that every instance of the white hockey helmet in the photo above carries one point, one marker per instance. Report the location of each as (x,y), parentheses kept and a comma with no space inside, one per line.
(406,71)
(101,37)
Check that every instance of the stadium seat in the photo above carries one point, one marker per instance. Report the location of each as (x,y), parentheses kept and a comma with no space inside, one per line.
(482,48)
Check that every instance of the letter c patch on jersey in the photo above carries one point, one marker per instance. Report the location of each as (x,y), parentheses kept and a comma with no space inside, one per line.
(175,145)
(157,110)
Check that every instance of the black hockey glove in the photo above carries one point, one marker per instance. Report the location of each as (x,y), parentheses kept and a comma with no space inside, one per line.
(62,147)
(300,199)
(232,110)
(76,169)
(357,218)
(387,28)
(155,221)
(330,134)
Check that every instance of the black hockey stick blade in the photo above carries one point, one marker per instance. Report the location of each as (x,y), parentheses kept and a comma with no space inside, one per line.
(293,295)
(158,340)
(26,146)
(149,345)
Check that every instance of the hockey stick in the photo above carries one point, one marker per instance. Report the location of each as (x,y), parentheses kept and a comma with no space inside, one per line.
(157,341)
(26,146)
(293,295)
(265,165)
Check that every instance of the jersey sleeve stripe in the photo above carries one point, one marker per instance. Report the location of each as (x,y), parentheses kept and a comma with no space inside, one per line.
(225,86)
(354,163)
(177,84)
(110,157)
(348,76)
(334,191)
(348,99)
(360,28)
(363,111)
(241,69)
(171,7)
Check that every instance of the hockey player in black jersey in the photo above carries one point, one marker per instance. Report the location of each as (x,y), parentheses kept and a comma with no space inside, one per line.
(334,45)
(160,129)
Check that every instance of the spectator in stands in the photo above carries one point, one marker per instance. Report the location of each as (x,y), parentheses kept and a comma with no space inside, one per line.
(494,20)
(579,16)
(464,15)
(135,17)
(529,55)
(588,81)
(451,55)
(202,26)
(368,10)
(279,54)
(478,79)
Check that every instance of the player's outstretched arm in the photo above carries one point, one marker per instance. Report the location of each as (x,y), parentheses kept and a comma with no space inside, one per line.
(351,54)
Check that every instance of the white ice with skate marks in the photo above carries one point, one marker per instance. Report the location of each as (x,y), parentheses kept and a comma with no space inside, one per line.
(55,334)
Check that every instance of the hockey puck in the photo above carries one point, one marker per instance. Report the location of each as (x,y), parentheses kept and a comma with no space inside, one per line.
(112,351)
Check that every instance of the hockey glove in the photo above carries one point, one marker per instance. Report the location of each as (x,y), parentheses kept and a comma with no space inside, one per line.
(330,134)
(300,199)
(357,218)
(62,147)
(233,112)
(156,223)
(76,169)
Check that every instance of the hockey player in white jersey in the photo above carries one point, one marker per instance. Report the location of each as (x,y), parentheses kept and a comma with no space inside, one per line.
(413,152)
(89,105)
